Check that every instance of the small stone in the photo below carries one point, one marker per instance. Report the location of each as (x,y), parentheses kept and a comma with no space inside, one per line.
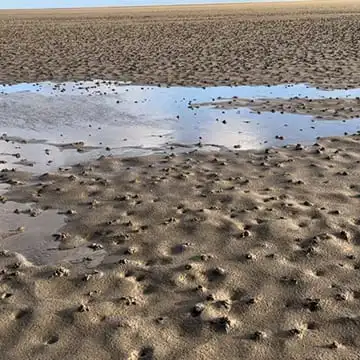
(83,308)
(313,305)
(169,221)
(219,271)
(225,304)
(197,309)
(122,198)
(160,320)
(341,297)
(5,253)
(334,345)
(60,236)
(199,288)
(250,300)
(130,251)
(93,203)
(294,332)
(128,300)
(5,295)
(223,324)
(205,257)
(258,335)
(344,235)
(35,212)
(87,277)
(95,246)
(245,233)
(123,261)
(61,272)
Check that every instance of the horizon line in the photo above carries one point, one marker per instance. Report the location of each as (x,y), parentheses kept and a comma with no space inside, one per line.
(157,5)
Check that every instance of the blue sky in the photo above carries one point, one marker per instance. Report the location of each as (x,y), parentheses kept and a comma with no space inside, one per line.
(16,4)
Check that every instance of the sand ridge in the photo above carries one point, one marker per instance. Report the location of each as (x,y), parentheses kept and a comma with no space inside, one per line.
(327,109)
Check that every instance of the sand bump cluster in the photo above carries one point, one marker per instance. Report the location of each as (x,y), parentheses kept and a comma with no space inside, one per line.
(241,254)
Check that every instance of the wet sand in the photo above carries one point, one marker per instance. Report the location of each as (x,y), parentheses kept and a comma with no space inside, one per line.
(236,254)
(200,255)
(327,109)
(311,41)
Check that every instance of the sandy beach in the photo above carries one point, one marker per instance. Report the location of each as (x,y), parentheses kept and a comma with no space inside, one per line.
(234,254)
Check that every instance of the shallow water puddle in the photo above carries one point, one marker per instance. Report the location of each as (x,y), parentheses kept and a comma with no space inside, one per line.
(127,120)
(26,230)
(103,87)
(28,235)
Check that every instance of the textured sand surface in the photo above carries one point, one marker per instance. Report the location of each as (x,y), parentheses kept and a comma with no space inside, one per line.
(328,109)
(231,254)
(250,255)
(311,41)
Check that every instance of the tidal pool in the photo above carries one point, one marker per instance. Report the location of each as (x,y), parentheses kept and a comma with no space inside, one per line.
(109,117)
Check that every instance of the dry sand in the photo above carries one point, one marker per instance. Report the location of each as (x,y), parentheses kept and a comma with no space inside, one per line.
(234,255)
(311,41)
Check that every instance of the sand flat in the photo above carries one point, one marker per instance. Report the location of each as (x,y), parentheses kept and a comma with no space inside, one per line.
(315,42)
(327,109)
(250,255)
(235,254)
